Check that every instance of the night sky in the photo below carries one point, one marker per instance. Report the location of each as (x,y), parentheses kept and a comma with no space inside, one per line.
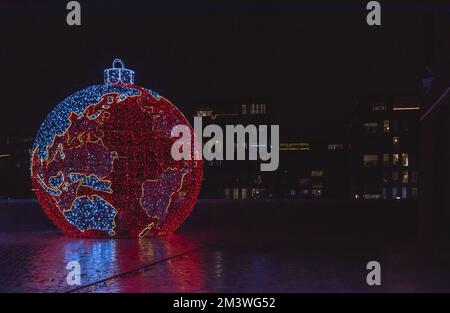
(311,59)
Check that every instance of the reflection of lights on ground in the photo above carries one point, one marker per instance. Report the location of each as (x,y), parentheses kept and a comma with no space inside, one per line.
(36,262)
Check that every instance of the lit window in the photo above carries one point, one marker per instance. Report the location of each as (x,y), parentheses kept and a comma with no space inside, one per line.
(395,159)
(335,146)
(368,196)
(371,127)
(204,112)
(304,192)
(405,159)
(386,126)
(235,193)
(385,159)
(292,192)
(304,146)
(316,173)
(378,107)
(257,192)
(263,108)
(227,193)
(316,193)
(254,108)
(244,193)
(370,160)
(405,177)
(395,141)
(395,194)
(404,193)
(405,107)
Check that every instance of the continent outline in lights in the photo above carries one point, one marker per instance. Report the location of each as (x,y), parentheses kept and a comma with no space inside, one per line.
(69,141)
(152,224)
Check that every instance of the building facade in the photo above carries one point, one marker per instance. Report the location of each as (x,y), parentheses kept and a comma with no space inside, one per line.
(385,148)
(15,152)
(310,166)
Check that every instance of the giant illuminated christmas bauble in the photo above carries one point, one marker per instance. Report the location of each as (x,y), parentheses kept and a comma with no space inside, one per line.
(102,163)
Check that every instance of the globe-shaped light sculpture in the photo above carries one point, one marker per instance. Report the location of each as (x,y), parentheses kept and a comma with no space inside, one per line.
(102,165)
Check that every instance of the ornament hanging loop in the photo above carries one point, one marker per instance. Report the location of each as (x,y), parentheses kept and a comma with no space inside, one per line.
(118,75)
(122,65)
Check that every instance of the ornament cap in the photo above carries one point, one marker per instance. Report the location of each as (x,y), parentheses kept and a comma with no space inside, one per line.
(118,75)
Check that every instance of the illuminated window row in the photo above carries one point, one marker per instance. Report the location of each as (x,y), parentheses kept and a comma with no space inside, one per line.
(394,193)
(403,177)
(305,146)
(243,193)
(396,159)
(254,108)
(402,193)
(399,106)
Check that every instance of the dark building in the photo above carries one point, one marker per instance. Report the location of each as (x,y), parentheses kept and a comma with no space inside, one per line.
(235,179)
(15,152)
(314,166)
(311,165)
(385,153)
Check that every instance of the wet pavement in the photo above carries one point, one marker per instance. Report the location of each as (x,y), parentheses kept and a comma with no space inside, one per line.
(192,261)
(36,261)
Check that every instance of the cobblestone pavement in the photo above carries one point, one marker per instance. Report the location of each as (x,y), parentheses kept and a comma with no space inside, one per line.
(205,262)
